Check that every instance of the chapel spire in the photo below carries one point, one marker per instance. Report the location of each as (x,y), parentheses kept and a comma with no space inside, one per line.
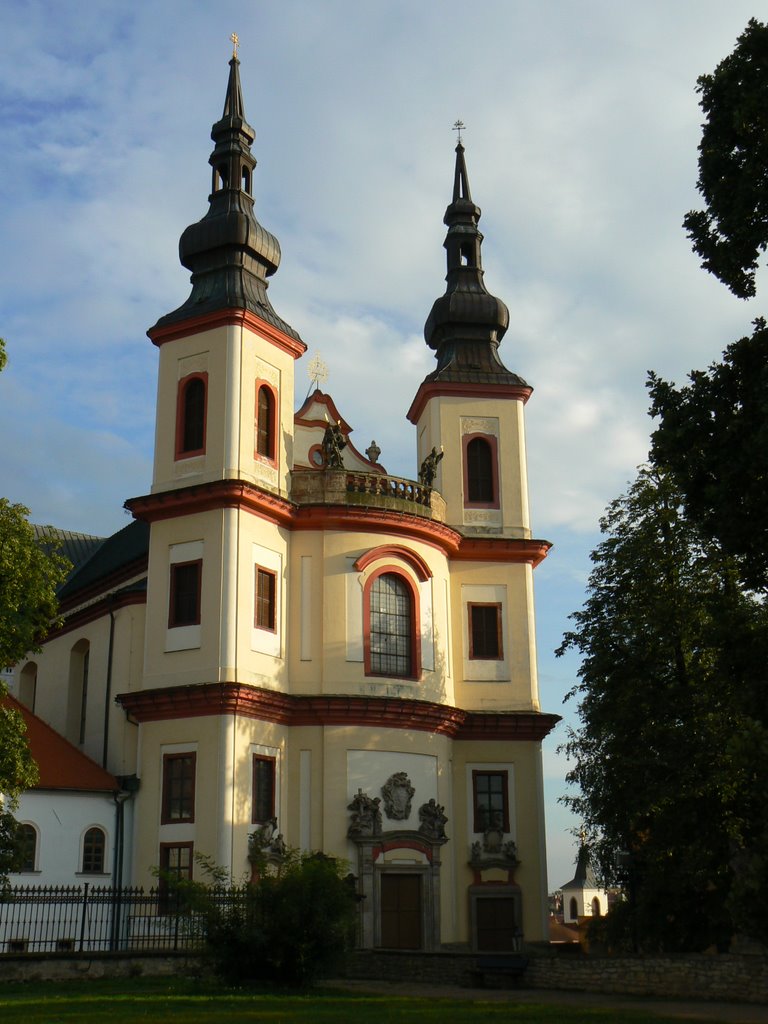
(229,253)
(467,323)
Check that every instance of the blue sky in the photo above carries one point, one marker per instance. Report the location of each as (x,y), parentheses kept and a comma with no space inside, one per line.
(582,127)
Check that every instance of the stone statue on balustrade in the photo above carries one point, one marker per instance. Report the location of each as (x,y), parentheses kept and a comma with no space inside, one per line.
(366,816)
(428,470)
(333,444)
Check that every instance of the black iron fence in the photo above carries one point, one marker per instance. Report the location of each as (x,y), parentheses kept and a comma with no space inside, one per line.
(87,919)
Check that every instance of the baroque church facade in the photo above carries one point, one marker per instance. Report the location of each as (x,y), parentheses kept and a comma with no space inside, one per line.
(287,644)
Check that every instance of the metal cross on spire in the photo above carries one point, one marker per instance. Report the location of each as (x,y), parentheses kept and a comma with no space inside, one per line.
(459,127)
(235,44)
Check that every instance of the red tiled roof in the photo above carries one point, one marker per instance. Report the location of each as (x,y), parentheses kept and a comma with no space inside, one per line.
(62,765)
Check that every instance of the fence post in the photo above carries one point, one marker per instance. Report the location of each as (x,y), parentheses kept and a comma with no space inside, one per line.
(82,916)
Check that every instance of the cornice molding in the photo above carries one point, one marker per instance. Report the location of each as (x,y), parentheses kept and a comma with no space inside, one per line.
(210,699)
(97,610)
(455,389)
(225,318)
(501,549)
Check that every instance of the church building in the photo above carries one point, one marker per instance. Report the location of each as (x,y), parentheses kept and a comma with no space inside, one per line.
(288,644)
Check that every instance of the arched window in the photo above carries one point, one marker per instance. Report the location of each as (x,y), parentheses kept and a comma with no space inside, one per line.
(77,696)
(190,416)
(595,907)
(390,611)
(245,178)
(480,464)
(573,909)
(94,843)
(27,847)
(28,685)
(265,422)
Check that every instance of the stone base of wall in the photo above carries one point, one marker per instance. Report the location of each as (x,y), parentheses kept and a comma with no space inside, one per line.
(50,967)
(726,977)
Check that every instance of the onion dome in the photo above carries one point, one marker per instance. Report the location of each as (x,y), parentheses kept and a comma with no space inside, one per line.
(229,253)
(467,323)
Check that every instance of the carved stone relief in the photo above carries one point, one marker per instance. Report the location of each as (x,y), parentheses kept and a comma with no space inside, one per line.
(397,792)
(480,425)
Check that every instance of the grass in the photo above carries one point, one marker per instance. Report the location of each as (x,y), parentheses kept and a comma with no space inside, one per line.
(176,999)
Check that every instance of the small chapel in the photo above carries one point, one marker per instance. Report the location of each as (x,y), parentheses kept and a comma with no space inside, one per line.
(288,645)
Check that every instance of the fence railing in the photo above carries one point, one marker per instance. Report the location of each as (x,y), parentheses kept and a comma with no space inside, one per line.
(87,919)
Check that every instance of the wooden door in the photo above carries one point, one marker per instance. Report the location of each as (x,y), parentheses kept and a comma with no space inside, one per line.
(495,923)
(401,911)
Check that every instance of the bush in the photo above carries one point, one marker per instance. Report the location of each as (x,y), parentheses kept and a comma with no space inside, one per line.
(287,928)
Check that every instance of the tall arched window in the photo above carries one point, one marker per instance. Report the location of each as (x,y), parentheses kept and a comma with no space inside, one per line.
(573,909)
(391,626)
(190,416)
(595,907)
(266,429)
(480,471)
(27,839)
(28,685)
(77,696)
(94,844)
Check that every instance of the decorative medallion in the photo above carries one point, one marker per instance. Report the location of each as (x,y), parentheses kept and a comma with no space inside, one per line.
(398,793)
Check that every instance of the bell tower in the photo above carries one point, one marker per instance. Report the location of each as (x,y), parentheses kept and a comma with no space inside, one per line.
(471,405)
(223,441)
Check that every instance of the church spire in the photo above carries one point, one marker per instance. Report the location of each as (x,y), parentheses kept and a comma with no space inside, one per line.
(229,253)
(467,323)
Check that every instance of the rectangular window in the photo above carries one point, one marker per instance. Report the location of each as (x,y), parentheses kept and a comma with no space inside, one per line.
(490,801)
(266,605)
(485,631)
(185,593)
(263,789)
(178,788)
(175,866)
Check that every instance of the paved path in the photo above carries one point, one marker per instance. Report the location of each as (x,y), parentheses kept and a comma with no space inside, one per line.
(732,1013)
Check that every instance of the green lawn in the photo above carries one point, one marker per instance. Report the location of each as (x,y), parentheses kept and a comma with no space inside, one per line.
(158,1000)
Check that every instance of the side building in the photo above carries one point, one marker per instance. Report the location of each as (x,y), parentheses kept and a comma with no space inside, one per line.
(289,640)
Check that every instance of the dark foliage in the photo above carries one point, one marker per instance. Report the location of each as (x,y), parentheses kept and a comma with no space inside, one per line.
(731,232)
(670,752)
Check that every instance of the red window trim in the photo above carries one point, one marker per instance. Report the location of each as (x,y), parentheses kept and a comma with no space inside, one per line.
(259,456)
(413,590)
(179,449)
(485,657)
(165,818)
(267,572)
(493,443)
(264,759)
(172,623)
(476,773)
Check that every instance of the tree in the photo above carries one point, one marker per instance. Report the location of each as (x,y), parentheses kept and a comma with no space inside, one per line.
(31,569)
(672,719)
(712,435)
(732,231)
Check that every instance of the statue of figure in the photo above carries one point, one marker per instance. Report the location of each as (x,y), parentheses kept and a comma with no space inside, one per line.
(433,819)
(267,841)
(366,816)
(428,470)
(398,793)
(333,443)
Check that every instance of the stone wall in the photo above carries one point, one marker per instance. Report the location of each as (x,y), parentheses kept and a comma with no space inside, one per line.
(728,977)
(53,967)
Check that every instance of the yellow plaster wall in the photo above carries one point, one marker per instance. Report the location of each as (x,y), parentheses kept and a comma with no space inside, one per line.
(234,358)
(440,424)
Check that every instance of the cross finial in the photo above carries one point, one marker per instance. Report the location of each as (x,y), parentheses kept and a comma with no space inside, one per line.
(459,127)
(235,43)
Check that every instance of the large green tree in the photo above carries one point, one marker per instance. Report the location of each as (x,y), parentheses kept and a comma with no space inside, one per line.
(31,569)
(670,704)
(732,230)
(712,435)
